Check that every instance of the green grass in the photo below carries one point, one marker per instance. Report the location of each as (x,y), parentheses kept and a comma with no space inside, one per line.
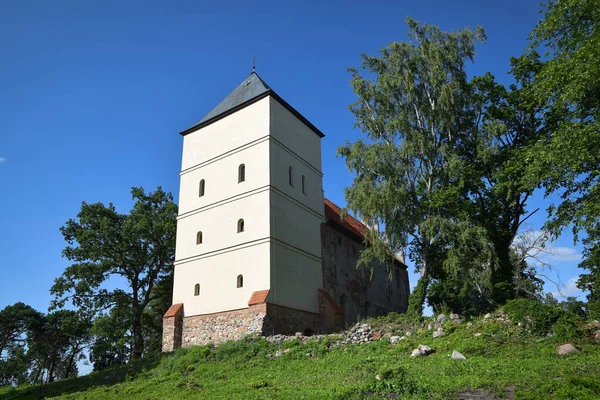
(501,357)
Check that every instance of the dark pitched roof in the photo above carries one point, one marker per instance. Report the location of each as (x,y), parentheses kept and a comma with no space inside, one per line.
(249,91)
(334,213)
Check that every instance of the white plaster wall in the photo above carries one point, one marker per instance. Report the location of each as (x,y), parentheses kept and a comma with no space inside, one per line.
(238,129)
(217,276)
(295,279)
(281,160)
(221,177)
(295,225)
(219,225)
(292,132)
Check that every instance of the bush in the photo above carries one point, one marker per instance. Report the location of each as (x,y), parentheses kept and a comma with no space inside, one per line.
(566,327)
(538,317)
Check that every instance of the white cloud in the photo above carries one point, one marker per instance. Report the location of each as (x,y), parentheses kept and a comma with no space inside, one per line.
(2,159)
(569,289)
(541,251)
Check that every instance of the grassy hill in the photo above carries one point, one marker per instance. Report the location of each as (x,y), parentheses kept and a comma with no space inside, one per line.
(503,361)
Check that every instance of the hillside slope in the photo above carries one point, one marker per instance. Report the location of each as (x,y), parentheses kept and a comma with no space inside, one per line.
(503,360)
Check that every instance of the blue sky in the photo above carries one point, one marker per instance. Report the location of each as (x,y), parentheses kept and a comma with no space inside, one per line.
(93,95)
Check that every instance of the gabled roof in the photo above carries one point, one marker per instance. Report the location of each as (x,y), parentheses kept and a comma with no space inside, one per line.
(249,91)
(334,213)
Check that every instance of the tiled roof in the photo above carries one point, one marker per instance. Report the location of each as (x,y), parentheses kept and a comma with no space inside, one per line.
(174,311)
(333,212)
(258,297)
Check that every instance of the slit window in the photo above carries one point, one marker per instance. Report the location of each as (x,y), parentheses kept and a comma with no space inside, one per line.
(290,180)
(201,188)
(240,281)
(197,289)
(303,187)
(240,226)
(199,237)
(241,173)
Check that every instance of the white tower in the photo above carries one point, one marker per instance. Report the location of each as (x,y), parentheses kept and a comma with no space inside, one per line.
(250,207)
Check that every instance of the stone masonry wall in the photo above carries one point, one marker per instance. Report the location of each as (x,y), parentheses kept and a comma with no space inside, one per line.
(223,326)
(357,293)
(288,321)
(171,337)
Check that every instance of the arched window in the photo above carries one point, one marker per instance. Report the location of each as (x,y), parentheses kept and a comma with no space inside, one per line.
(241,173)
(290,177)
(201,188)
(240,281)
(199,237)
(240,225)
(197,289)
(303,188)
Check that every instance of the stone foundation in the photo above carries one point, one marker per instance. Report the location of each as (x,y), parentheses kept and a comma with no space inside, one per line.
(259,318)
(223,326)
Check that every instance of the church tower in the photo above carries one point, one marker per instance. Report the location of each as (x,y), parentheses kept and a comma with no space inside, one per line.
(248,252)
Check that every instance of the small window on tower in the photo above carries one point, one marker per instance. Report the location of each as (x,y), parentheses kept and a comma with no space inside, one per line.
(241,173)
(240,225)
(199,237)
(240,281)
(197,289)
(290,177)
(201,188)
(340,240)
(303,188)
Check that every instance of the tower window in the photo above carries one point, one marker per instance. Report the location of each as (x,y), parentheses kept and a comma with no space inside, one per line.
(290,177)
(197,289)
(199,237)
(303,188)
(240,225)
(201,188)
(241,173)
(240,281)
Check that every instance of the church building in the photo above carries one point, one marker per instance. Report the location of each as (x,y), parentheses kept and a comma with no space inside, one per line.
(259,249)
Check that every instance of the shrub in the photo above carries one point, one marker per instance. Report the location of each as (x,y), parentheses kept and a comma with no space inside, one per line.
(566,327)
(535,315)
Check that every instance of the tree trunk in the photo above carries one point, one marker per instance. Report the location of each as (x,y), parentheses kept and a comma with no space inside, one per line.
(138,338)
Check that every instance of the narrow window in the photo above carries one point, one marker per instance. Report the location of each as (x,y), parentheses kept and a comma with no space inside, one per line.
(241,173)
(340,240)
(199,237)
(303,189)
(201,188)
(353,250)
(290,177)
(240,281)
(240,225)
(197,289)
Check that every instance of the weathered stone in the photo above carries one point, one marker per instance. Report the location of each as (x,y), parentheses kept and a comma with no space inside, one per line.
(376,335)
(378,377)
(457,356)
(597,336)
(566,349)
(394,339)
(278,353)
(422,350)
(440,332)
(454,316)
(477,334)
(487,316)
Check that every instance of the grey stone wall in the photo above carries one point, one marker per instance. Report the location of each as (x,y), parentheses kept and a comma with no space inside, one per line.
(357,293)
(223,326)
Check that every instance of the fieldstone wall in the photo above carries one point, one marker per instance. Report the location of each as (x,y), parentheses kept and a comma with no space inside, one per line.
(223,326)
(171,336)
(288,321)
(359,294)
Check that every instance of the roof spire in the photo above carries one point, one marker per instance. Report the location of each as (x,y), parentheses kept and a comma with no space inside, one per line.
(253,62)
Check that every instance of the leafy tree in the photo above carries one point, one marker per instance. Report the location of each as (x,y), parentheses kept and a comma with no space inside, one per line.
(411,115)
(58,345)
(567,159)
(137,247)
(112,339)
(16,324)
